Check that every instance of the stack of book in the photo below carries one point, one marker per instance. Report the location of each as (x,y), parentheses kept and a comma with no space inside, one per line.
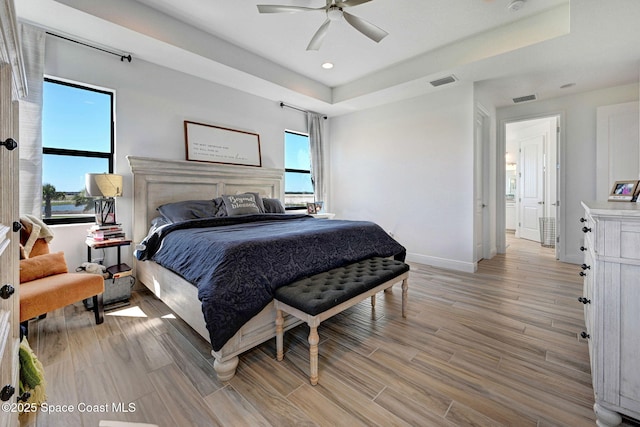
(105,234)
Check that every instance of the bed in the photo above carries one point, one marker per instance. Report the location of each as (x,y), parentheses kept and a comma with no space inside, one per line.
(203,300)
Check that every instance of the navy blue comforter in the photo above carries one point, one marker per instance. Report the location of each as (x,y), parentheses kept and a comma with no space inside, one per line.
(237,262)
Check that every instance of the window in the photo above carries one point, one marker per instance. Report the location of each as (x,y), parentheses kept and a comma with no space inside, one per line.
(77,138)
(298,189)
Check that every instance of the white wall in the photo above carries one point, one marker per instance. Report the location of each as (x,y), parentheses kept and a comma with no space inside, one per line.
(408,166)
(577,151)
(151,104)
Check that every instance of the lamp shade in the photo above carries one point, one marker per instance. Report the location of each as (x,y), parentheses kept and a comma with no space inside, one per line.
(103,184)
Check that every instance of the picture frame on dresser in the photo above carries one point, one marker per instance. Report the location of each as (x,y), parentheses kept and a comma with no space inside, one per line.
(624,191)
(312,208)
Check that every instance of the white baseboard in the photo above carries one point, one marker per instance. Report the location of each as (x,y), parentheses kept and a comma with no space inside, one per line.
(467,267)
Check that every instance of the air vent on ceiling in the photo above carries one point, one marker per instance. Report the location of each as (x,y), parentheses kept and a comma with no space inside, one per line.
(525,98)
(444,81)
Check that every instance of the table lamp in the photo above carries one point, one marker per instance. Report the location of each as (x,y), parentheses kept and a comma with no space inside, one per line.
(105,186)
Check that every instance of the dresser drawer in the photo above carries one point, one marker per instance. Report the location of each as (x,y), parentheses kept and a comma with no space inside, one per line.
(630,240)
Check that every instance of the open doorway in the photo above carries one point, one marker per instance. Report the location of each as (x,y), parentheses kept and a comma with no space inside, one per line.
(531,180)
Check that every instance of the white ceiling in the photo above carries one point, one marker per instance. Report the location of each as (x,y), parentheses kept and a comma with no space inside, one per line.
(547,43)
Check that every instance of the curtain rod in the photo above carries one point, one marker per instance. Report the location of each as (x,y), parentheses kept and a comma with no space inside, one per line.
(122,57)
(282,105)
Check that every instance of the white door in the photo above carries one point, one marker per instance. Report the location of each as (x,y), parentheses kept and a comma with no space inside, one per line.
(531,187)
(617,148)
(479,205)
(9,274)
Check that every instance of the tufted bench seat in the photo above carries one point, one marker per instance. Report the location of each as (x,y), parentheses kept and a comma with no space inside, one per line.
(317,298)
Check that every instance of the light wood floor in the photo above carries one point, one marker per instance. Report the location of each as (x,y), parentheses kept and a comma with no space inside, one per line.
(498,347)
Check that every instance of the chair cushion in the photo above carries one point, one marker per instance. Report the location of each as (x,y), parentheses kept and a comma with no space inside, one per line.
(43,295)
(42,266)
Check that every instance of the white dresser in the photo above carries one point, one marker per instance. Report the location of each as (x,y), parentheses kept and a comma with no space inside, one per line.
(611,299)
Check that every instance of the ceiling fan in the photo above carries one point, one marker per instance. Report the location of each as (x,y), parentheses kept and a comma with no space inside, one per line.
(335,11)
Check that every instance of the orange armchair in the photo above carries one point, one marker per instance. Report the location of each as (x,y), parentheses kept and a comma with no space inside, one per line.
(46,285)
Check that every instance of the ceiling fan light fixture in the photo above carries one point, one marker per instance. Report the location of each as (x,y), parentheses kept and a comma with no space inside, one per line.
(334,13)
(334,10)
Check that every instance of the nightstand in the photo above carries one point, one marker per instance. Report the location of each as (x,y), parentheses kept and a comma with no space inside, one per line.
(325,215)
(120,290)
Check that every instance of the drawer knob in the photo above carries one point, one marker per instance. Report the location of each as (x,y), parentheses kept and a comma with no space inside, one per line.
(583,220)
(582,248)
(9,143)
(585,335)
(584,300)
(6,392)
(586,229)
(6,291)
(585,267)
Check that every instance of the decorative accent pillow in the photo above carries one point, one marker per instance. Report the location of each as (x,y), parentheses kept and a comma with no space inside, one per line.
(240,204)
(273,205)
(188,209)
(42,266)
(259,201)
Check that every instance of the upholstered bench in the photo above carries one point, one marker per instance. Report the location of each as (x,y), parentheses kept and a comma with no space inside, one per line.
(317,298)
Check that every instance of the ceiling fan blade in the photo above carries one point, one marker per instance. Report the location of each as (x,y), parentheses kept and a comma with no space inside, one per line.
(351,3)
(368,29)
(318,37)
(276,8)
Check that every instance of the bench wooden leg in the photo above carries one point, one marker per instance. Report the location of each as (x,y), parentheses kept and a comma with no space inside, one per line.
(405,287)
(98,308)
(314,339)
(279,335)
(373,301)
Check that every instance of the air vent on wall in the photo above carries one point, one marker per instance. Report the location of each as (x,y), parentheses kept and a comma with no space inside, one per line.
(444,81)
(525,98)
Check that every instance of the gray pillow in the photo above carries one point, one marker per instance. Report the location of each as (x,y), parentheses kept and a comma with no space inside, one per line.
(259,201)
(219,203)
(188,209)
(240,204)
(272,205)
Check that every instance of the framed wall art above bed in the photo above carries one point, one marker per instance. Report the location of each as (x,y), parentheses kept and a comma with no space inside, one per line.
(215,144)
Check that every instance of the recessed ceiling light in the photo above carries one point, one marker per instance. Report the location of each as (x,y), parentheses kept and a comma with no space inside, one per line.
(327,65)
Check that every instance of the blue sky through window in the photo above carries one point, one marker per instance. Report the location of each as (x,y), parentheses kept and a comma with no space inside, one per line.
(75,119)
(296,156)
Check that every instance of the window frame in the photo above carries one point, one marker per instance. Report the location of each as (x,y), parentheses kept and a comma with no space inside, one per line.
(83,153)
(296,208)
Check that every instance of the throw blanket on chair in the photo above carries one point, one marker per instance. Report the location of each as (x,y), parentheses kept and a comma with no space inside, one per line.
(33,228)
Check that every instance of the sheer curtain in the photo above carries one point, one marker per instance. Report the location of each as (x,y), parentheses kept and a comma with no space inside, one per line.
(30,142)
(316,145)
